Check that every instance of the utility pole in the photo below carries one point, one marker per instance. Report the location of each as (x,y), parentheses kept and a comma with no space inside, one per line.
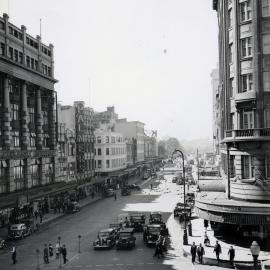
(198,176)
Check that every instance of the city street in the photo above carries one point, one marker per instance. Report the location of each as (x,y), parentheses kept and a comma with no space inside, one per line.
(97,216)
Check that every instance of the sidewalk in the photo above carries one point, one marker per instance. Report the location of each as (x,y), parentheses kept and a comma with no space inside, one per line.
(47,218)
(242,255)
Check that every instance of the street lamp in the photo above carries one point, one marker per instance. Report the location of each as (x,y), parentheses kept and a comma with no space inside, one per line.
(185,236)
(79,237)
(37,251)
(59,243)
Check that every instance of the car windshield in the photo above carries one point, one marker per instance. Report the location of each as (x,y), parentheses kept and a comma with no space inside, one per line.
(125,234)
(103,234)
(156,216)
(154,229)
(136,217)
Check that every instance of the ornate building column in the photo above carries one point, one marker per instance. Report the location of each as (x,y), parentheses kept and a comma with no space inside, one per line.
(39,120)
(24,118)
(51,121)
(6,116)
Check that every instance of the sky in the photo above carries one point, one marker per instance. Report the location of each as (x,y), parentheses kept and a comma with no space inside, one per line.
(151,59)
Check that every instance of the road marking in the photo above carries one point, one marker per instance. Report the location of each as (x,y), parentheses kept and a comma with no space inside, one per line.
(119,264)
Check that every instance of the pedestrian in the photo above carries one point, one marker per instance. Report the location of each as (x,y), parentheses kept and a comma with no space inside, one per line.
(50,250)
(193,251)
(115,197)
(14,255)
(200,253)
(57,250)
(217,250)
(36,214)
(40,216)
(64,253)
(255,251)
(46,254)
(231,254)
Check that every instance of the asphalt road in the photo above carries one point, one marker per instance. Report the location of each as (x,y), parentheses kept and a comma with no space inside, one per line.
(98,216)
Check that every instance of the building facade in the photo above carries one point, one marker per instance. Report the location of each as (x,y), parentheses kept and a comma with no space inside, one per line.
(132,130)
(150,145)
(28,116)
(244,99)
(110,152)
(108,117)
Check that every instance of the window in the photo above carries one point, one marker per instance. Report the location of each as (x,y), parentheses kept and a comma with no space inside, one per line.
(10,30)
(107,151)
(247,167)
(267,118)
(265,8)
(14,112)
(113,139)
(245,11)
(33,139)
(3,182)
(99,151)
(230,54)
(32,63)
(27,61)
(248,120)
(34,172)
(247,83)
(18,173)
(267,167)
(246,47)
(99,164)
(266,44)
(98,139)
(230,18)
(16,55)
(107,139)
(266,81)
(10,49)
(231,91)
(20,57)
(2,49)
(36,65)
(31,113)
(49,72)
(45,118)
(107,163)
(15,138)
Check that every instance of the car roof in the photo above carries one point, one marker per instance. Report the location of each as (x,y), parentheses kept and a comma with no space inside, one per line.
(127,230)
(107,230)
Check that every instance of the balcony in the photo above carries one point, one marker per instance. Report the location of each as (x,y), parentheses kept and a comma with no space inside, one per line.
(255,134)
(245,96)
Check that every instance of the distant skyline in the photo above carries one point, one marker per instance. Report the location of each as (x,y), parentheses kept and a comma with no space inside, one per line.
(150,59)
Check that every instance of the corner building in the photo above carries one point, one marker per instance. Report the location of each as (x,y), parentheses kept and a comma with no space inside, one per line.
(244,109)
(27,116)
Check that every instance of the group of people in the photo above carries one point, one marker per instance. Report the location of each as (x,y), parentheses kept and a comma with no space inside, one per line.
(59,250)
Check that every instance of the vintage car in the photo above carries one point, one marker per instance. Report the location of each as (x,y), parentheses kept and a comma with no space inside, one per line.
(2,242)
(125,191)
(106,239)
(174,180)
(73,207)
(184,216)
(137,221)
(109,192)
(180,207)
(134,187)
(19,231)
(126,239)
(151,234)
(155,218)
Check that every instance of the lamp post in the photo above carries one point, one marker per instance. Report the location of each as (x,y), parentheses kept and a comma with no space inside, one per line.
(185,236)
(79,238)
(37,251)
(59,242)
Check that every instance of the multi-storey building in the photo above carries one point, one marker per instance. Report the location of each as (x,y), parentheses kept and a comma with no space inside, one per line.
(244,84)
(79,119)
(131,151)
(27,116)
(150,145)
(66,155)
(110,151)
(132,130)
(108,117)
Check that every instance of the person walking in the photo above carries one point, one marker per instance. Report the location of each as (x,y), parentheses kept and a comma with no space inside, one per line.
(46,254)
(217,250)
(50,250)
(200,253)
(64,253)
(115,196)
(57,250)
(231,254)
(193,251)
(255,251)
(40,216)
(14,255)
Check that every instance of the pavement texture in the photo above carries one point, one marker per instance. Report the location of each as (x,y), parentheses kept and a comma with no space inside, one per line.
(96,216)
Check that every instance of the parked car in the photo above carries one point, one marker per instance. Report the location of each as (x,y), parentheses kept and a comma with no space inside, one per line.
(155,218)
(2,242)
(109,192)
(184,216)
(151,234)
(134,187)
(137,221)
(125,191)
(73,207)
(106,239)
(126,239)
(174,180)
(179,208)
(19,231)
